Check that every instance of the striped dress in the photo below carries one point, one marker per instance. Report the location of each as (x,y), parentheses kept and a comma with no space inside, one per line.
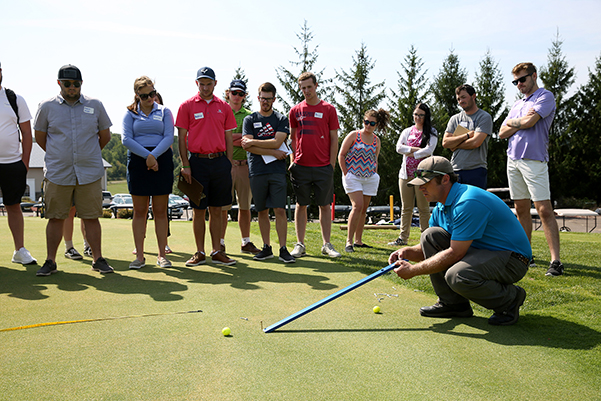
(361,158)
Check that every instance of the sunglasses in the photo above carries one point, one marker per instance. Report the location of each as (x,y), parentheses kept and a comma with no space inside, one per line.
(419,115)
(424,173)
(67,84)
(238,93)
(521,80)
(266,99)
(367,122)
(145,96)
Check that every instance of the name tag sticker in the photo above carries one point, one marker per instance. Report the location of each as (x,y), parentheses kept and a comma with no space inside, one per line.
(157,117)
(88,110)
(257,125)
(198,116)
(463,124)
(318,115)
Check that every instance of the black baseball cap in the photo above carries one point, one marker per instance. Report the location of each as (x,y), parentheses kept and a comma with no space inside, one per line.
(238,85)
(69,72)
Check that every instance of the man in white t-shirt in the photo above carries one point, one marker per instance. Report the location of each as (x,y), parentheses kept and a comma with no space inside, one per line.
(15,150)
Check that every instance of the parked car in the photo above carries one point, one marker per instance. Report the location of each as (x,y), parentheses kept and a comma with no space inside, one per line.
(178,200)
(121,201)
(106,199)
(175,207)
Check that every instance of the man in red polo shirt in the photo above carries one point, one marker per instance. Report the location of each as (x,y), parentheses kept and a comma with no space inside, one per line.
(204,125)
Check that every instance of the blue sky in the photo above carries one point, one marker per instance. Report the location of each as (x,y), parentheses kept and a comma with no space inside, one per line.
(113,42)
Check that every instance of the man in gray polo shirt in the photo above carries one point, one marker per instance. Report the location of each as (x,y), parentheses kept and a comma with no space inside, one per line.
(470,149)
(72,129)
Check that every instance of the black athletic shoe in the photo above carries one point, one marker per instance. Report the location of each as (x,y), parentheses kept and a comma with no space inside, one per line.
(266,253)
(443,310)
(349,249)
(102,266)
(72,254)
(47,269)
(511,315)
(285,256)
(555,269)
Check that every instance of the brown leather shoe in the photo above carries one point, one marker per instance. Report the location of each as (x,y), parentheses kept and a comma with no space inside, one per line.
(220,258)
(250,248)
(197,259)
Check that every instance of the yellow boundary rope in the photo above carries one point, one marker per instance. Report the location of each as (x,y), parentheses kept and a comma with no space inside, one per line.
(31,326)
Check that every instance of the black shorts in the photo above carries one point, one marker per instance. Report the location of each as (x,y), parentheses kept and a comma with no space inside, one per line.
(269,191)
(215,175)
(13,178)
(319,180)
(144,182)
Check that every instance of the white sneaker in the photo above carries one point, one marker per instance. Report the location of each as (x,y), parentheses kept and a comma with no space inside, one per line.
(329,250)
(23,256)
(163,262)
(299,251)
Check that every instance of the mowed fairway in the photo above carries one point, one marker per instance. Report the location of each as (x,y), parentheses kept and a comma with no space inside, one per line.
(341,351)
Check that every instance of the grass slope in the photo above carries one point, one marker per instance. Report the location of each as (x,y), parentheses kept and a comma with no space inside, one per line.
(340,351)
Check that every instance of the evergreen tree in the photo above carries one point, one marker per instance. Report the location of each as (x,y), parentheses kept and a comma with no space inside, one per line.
(557,77)
(307,62)
(578,148)
(357,93)
(411,89)
(490,91)
(451,76)
(116,154)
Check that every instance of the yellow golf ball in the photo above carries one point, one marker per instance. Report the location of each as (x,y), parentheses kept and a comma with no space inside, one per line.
(226,331)
(376,309)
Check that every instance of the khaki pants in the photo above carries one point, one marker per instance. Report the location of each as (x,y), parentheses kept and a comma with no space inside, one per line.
(410,196)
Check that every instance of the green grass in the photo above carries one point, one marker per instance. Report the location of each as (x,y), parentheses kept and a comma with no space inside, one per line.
(117,187)
(341,351)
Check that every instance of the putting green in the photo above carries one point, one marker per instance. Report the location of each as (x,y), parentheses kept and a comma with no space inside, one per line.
(339,351)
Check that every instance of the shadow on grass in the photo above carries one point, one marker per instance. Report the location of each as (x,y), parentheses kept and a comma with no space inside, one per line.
(24,284)
(246,277)
(532,330)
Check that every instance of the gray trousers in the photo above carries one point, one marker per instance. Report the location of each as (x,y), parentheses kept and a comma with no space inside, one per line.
(482,276)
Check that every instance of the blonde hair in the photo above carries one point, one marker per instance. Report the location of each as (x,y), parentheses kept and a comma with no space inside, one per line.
(139,83)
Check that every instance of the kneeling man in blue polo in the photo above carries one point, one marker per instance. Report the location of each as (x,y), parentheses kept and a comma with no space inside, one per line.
(474,250)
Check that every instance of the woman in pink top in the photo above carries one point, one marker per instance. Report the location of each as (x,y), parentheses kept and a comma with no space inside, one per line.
(358,159)
(415,144)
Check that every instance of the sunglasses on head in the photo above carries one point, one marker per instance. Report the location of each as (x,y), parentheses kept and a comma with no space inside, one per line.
(367,122)
(68,84)
(145,96)
(238,93)
(424,173)
(521,79)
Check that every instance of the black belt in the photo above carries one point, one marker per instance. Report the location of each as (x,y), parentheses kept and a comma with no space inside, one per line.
(209,155)
(521,258)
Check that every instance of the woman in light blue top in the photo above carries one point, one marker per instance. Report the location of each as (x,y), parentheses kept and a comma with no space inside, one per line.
(148,134)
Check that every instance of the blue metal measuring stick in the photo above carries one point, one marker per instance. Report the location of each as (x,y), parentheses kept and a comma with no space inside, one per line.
(328,299)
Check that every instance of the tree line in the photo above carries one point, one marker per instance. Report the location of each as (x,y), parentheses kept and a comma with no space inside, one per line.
(574,146)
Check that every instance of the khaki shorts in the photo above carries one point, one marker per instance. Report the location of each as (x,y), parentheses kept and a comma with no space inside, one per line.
(241,185)
(87,199)
(528,179)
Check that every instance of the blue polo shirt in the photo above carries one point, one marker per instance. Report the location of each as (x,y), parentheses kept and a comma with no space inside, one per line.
(473,214)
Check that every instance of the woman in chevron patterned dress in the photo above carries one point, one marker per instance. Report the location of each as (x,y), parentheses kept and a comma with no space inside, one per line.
(358,159)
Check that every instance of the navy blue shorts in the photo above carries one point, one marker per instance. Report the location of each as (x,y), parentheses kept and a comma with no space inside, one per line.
(476,177)
(13,178)
(215,175)
(269,191)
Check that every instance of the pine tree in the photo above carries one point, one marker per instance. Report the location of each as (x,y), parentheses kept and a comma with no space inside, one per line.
(411,89)
(307,61)
(451,76)
(578,147)
(557,77)
(357,93)
(490,91)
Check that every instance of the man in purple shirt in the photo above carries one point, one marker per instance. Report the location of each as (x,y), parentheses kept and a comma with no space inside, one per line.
(527,127)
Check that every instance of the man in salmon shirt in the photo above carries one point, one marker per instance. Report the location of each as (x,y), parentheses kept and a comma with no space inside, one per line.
(204,124)
(314,134)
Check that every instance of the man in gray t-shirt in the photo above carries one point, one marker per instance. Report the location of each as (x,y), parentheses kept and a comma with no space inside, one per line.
(470,149)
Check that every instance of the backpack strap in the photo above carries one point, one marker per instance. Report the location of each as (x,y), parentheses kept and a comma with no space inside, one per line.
(12,99)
